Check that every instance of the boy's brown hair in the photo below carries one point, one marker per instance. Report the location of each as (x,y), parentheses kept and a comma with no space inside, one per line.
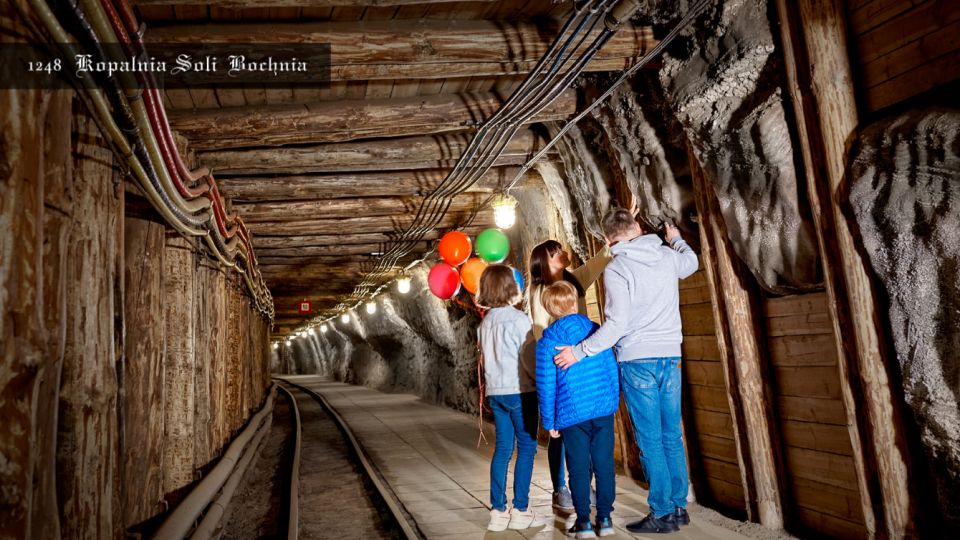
(560,299)
(498,288)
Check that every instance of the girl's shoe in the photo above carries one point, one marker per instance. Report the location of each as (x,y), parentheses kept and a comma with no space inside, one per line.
(498,520)
(563,500)
(581,530)
(605,527)
(525,520)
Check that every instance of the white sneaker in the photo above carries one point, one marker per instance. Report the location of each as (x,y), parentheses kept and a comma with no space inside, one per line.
(498,520)
(525,520)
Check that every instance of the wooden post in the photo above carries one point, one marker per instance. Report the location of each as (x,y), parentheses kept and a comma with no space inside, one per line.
(821,87)
(738,334)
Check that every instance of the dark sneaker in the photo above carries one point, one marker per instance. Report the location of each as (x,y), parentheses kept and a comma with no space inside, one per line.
(605,527)
(581,530)
(653,525)
(563,500)
(678,517)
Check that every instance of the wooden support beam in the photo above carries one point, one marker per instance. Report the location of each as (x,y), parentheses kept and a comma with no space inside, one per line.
(417,49)
(257,4)
(342,121)
(268,256)
(738,333)
(266,243)
(370,184)
(403,153)
(276,211)
(820,83)
(359,225)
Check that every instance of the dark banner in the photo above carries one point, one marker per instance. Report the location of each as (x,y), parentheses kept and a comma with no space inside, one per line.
(200,65)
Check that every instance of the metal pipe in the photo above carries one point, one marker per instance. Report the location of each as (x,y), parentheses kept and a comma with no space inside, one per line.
(181,520)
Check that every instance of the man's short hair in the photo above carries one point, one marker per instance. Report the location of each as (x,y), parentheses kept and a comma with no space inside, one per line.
(617,222)
(560,299)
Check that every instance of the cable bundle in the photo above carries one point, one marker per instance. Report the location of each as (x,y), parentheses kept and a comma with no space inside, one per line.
(132,118)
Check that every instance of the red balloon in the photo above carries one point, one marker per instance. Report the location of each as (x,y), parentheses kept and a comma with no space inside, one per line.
(444,281)
(470,274)
(455,247)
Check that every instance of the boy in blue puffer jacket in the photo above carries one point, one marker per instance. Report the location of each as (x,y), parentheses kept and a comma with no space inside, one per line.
(579,403)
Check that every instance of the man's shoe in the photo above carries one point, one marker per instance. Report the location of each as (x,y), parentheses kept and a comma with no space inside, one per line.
(498,520)
(652,525)
(605,527)
(525,520)
(581,530)
(678,517)
(563,500)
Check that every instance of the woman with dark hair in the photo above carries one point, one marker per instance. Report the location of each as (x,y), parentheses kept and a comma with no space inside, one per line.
(548,264)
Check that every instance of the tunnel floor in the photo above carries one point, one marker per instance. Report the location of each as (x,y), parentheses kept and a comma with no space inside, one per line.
(429,458)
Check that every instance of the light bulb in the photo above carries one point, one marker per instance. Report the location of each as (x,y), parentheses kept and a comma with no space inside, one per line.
(371,307)
(504,211)
(311,332)
(275,345)
(345,318)
(289,342)
(403,285)
(323,329)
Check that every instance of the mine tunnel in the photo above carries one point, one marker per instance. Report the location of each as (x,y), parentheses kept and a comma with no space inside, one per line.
(241,243)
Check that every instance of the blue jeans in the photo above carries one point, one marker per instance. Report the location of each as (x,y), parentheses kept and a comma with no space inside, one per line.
(516,417)
(651,388)
(589,447)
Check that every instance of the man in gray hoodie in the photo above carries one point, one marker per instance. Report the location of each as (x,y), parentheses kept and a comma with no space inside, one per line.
(643,321)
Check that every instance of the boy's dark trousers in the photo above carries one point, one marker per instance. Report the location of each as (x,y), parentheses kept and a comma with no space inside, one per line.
(586,442)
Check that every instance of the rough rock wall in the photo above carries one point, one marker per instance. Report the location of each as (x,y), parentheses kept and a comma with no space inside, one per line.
(647,150)
(905,195)
(725,85)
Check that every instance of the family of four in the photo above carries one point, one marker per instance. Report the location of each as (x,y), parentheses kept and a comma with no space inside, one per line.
(556,366)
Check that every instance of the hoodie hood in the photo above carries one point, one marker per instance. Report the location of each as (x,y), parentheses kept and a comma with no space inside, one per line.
(645,249)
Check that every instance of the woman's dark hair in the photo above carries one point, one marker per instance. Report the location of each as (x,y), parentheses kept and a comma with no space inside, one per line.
(540,266)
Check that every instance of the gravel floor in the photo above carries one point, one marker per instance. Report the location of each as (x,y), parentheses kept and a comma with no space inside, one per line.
(258,509)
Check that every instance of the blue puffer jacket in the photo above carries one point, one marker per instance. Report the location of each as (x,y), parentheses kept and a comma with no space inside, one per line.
(586,390)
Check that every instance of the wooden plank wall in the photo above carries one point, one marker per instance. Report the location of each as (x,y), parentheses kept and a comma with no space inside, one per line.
(715,470)
(820,476)
(902,48)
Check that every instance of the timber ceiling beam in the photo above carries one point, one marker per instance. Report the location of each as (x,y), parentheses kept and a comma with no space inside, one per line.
(341,121)
(343,208)
(243,4)
(370,184)
(417,49)
(401,153)
(266,244)
(391,224)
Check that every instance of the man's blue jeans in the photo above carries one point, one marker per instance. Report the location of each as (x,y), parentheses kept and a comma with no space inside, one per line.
(651,388)
(516,417)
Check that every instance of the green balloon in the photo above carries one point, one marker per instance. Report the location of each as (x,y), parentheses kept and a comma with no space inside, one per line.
(492,245)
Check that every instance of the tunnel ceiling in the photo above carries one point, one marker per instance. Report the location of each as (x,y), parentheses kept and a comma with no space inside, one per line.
(324,178)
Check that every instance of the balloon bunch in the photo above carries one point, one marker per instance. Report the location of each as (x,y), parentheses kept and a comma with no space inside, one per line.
(455,248)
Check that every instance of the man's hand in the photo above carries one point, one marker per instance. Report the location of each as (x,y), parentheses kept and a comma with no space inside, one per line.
(671,232)
(564,358)
(554,434)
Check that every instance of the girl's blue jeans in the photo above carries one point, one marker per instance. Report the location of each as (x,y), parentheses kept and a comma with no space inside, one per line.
(516,417)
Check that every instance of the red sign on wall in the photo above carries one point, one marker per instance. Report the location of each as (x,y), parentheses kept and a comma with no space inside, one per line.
(304,307)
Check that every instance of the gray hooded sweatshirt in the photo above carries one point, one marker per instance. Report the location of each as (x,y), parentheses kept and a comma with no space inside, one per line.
(643,300)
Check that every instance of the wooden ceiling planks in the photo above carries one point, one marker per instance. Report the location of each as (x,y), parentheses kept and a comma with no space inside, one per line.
(315,233)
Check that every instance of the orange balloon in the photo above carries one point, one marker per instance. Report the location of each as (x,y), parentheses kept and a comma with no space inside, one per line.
(470,274)
(454,248)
